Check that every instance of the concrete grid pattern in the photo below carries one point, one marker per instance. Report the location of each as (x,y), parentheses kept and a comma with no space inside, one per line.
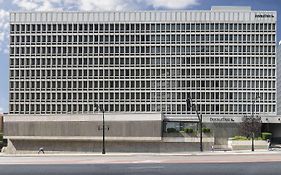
(63,62)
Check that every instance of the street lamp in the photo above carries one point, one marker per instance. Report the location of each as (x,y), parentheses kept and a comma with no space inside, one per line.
(103,138)
(253,113)
(191,105)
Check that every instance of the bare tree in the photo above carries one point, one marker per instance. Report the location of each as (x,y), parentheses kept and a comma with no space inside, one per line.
(249,125)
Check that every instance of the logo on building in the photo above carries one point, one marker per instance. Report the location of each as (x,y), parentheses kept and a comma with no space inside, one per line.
(223,119)
(264,16)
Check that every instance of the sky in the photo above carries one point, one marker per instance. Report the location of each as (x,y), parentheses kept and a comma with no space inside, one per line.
(104,5)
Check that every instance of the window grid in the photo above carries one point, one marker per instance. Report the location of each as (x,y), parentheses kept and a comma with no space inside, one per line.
(142,67)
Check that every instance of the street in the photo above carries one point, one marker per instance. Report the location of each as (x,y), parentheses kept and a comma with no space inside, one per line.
(146,169)
(231,164)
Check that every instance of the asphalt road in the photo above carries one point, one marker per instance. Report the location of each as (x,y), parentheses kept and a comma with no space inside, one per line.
(272,168)
(208,164)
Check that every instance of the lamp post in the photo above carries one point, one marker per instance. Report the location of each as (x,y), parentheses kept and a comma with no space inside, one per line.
(253,113)
(103,135)
(191,105)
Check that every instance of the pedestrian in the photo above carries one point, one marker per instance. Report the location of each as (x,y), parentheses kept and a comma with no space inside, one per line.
(41,149)
(268,145)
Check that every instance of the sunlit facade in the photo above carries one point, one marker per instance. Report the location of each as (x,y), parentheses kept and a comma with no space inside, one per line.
(146,61)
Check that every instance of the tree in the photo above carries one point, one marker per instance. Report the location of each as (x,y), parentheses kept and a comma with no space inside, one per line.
(249,125)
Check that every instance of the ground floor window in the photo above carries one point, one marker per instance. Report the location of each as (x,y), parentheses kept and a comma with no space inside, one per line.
(176,126)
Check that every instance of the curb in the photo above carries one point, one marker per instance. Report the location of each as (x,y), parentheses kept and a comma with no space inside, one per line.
(207,153)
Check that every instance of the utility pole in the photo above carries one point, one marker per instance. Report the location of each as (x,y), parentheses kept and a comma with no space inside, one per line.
(252,122)
(191,105)
(103,126)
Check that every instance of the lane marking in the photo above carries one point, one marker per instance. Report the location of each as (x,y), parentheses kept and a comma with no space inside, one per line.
(146,167)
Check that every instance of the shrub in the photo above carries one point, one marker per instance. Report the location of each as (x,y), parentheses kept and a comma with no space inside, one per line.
(266,135)
(171,130)
(188,130)
(239,138)
(206,130)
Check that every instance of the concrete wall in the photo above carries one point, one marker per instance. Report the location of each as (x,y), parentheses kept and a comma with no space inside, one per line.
(84,128)
(222,131)
(124,126)
(82,132)
(32,146)
(247,144)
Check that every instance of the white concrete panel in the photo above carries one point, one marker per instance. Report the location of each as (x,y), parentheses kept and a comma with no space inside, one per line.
(178,16)
(168,16)
(221,16)
(231,16)
(198,16)
(132,16)
(193,16)
(138,16)
(64,17)
(44,16)
(122,16)
(235,16)
(80,16)
(91,16)
(106,16)
(70,17)
(212,16)
(183,16)
(204,16)
(226,16)
(240,16)
(23,17)
(147,16)
(117,16)
(16,17)
(186,16)
(96,17)
(59,17)
(252,16)
(158,16)
(84,17)
(127,16)
(53,16)
(49,16)
(152,16)
(75,17)
(246,16)
(142,16)
(173,15)
(217,16)
(207,16)
(12,17)
(33,17)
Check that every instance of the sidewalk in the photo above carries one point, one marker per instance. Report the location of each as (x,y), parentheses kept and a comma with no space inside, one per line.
(205,153)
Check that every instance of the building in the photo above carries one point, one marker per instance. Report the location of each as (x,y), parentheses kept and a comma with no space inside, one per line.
(143,63)
(278,79)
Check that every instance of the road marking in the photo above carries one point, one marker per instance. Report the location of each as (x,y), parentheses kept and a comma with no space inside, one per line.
(146,167)
(147,161)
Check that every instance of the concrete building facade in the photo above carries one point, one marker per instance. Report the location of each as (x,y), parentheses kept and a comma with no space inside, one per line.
(144,62)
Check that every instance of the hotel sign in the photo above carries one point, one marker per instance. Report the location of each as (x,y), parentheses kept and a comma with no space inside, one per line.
(221,119)
(264,16)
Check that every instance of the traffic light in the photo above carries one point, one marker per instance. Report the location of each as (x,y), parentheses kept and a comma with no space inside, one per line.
(188,103)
